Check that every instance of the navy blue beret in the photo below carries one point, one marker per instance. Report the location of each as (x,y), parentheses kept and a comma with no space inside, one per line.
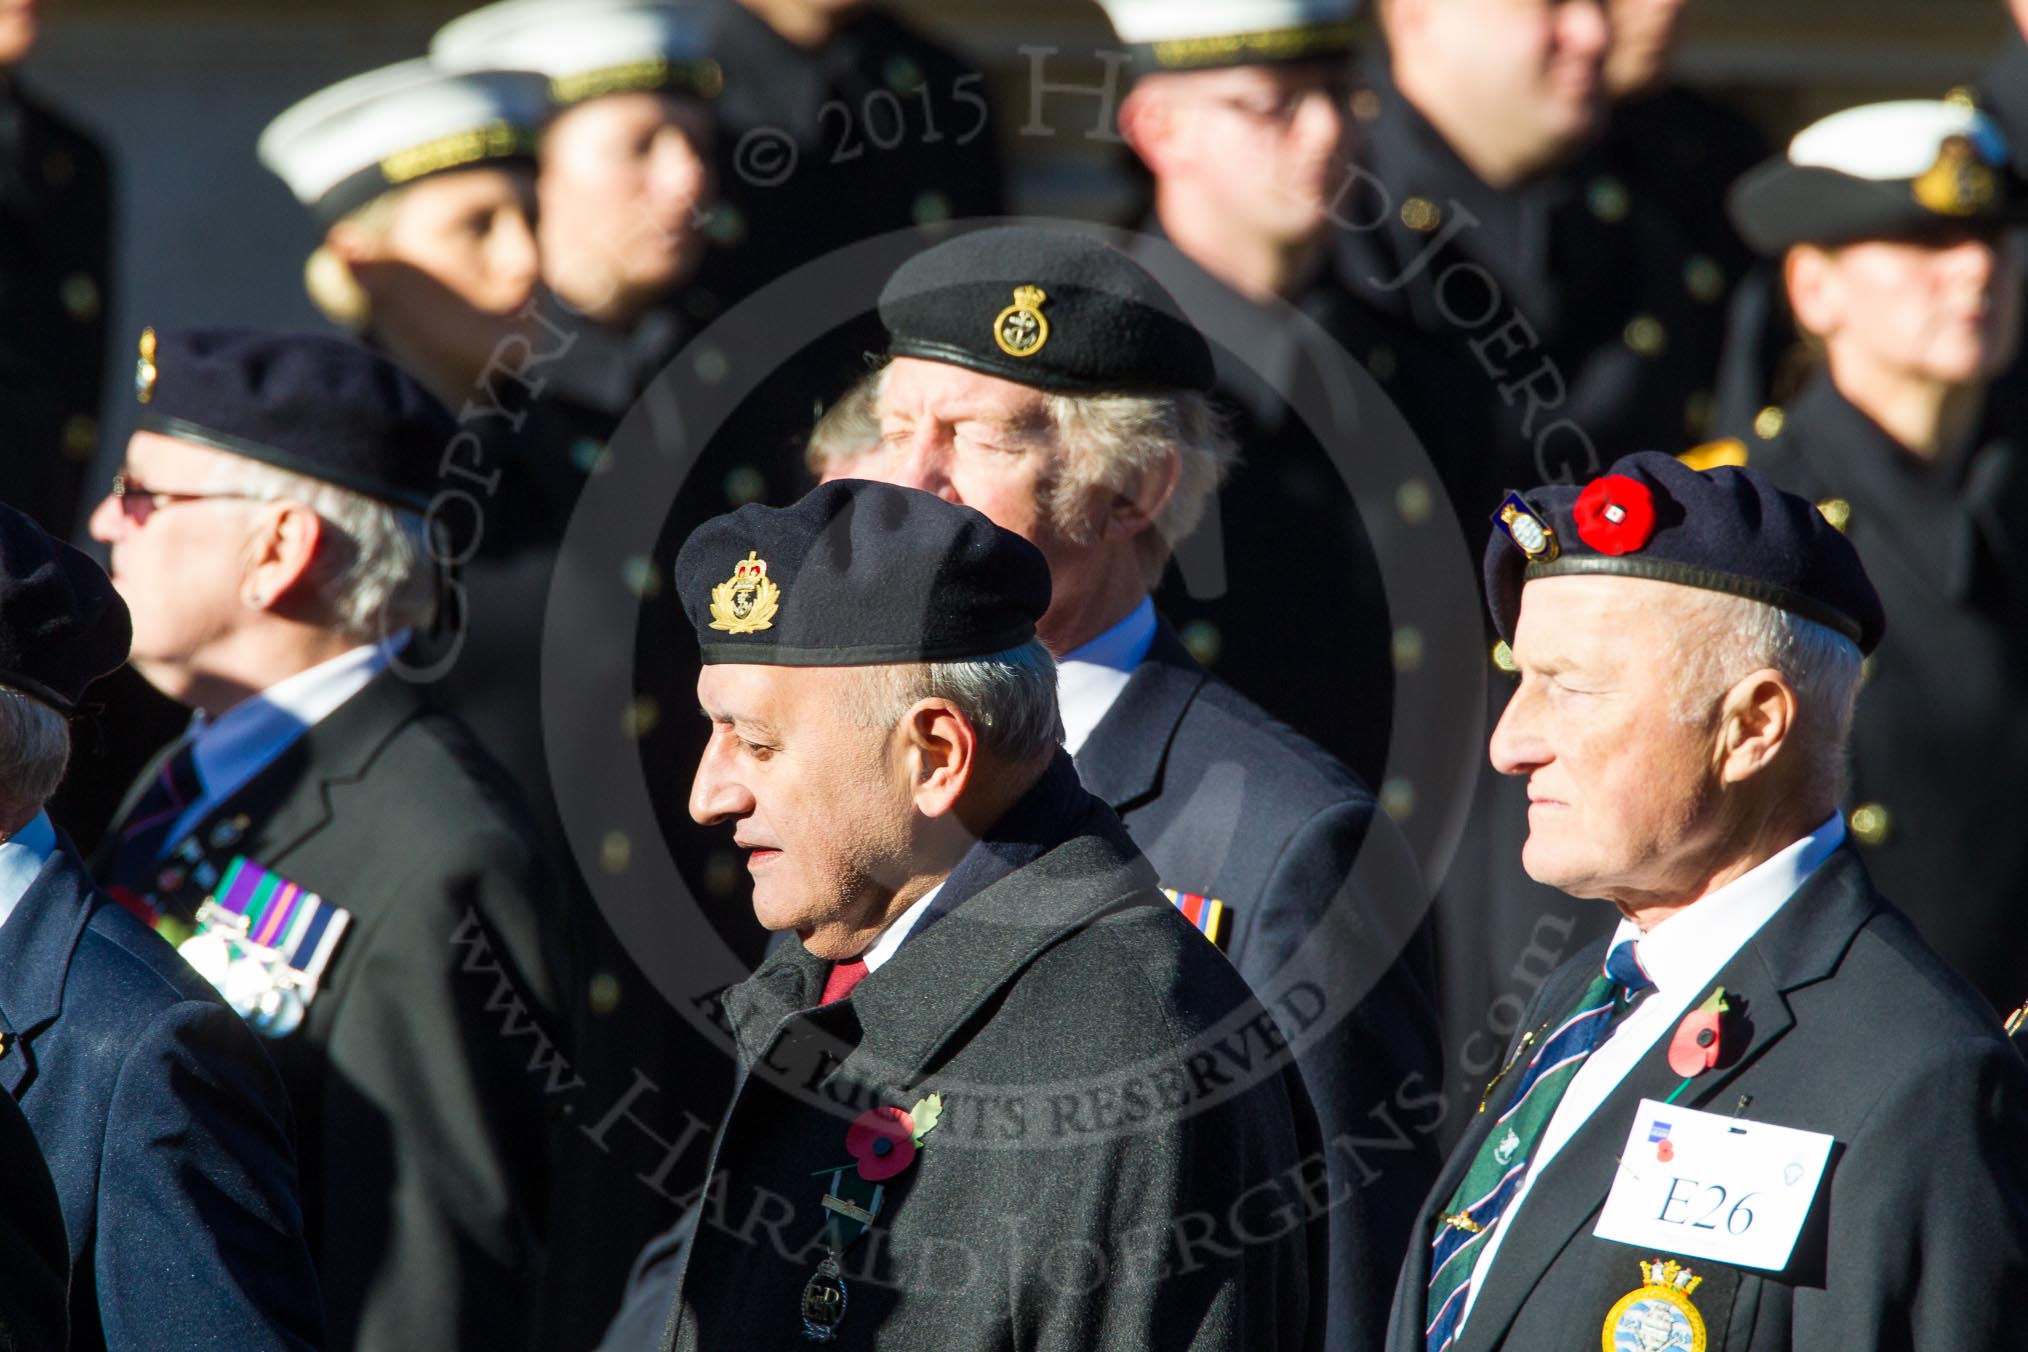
(1054,309)
(62,626)
(1650,515)
(315,406)
(859,573)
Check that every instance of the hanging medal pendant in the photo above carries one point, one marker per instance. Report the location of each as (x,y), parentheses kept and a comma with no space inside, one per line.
(824,1302)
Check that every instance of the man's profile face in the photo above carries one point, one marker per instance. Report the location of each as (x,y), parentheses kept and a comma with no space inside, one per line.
(1619,787)
(1946,309)
(821,806)
(624,178)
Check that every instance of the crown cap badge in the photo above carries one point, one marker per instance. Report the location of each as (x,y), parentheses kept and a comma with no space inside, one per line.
(746,602)
(145,371)
(1960,183)
(1021,329)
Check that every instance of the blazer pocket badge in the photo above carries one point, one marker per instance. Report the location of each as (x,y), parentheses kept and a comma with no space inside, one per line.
(264,942)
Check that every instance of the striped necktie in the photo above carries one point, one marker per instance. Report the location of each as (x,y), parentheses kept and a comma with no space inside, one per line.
(1500,1166)
(145,833)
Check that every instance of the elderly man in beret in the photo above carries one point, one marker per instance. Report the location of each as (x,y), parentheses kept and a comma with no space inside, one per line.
(1096,442)
(341,859)
(1764,1114)
(165,1127)
(981,1104)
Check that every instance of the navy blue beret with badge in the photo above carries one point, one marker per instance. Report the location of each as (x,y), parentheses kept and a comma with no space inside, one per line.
(1054,309)
(1726,530)
(62,626)
(315,406)
(857,574)
(1882,171)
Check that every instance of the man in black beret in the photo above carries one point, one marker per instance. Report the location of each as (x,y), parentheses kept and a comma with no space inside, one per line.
(165,1127)
(981,1101)
(1092,438)
(1889,224)
(1764,1114)
(348,867)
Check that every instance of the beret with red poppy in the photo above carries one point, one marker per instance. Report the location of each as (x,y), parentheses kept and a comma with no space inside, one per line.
(1727,530)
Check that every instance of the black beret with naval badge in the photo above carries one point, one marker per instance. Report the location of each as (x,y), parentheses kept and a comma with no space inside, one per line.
(62,626)
(859,573)
(1727,529)
(315,406)
(1054,309)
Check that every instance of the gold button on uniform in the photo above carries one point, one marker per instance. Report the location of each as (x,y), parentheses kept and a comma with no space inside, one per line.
(1608,200)
(1769,422)
(81,297)
(1837,511)
(80,437)
(1646,336)
(1421,215)
(1872,824)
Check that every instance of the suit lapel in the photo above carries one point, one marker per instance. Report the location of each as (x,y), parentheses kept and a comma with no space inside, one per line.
(1802,944)
(1121,762)
(35,948)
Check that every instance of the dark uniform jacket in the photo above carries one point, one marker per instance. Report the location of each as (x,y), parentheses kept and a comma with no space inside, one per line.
(1854,1028)
(1058,1009)
(1937,798)
(2004,94)
(418,1076)
(164,1125)
(33,1250)
(1227,803)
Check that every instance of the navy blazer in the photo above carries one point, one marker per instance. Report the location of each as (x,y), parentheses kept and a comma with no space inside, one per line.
(165,1127)
(1325,905)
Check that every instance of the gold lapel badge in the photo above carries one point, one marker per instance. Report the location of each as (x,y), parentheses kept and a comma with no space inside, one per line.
(144,368)
(1529,532)
(1659,1314)
(745,603)
(1020,329)
(1959,183)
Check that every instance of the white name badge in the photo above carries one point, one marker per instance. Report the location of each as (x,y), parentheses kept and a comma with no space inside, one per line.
(1713,1187)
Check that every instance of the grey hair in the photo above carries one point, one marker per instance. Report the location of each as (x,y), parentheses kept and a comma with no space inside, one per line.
(848,429)
(1738,636)
(1009,697)
(372,574)
(34,749)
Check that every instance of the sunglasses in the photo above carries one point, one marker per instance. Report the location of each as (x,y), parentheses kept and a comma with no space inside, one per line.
(138,502)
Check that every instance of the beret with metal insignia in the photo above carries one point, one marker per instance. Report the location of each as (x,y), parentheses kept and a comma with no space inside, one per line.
(1650,515)
(62,626)
(588,48)
(859,573)
(1176,35)
(312,405)
(1881,171)
(1054,309)
(342,147)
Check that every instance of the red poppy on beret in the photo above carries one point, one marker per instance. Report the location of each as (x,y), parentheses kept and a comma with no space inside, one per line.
(1615,514)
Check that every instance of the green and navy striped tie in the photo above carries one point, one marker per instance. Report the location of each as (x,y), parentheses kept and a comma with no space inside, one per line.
(1502,1162)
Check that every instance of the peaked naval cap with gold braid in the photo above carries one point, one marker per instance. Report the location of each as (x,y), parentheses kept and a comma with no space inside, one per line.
(1652,516)
(1054,309)
(856,574)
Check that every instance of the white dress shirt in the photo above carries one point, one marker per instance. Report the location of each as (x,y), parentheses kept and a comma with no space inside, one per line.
(1090,677)
(22,856)
(244,739)
(897,930)
(1683,955)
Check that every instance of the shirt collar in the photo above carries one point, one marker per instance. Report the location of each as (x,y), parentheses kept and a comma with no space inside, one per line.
(22,856)
(229,749)
(1090,677)
(1688,949)
(891,938)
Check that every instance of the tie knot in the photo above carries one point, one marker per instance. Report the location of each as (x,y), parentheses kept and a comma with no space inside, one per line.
(1623,965)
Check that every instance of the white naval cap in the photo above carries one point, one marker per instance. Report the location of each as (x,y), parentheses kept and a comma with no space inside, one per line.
(1880,171)
(587,47)
(344,146)
(1201,34)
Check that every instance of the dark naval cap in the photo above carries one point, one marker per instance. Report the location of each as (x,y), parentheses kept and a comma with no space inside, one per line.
(62,626)
(315,406)
(1054,309)
(1650,515)
(858,574)
(1882,171)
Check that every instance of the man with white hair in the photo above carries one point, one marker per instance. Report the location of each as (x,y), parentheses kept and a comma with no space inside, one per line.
(1890,226)
(1765,1112)
(339,858)
(1093,439)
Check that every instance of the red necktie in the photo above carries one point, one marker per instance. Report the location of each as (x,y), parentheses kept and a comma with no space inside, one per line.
(844,976)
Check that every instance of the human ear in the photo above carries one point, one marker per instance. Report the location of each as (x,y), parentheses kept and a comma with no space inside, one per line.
(942,748)
(1756,718)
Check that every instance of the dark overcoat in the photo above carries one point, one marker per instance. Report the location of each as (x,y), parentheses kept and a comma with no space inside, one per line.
(33,1250)
(418,1077)
(164,1125)
(1854,1028)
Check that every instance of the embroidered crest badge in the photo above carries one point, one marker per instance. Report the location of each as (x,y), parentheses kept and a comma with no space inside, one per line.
(1659,1316)
(1959,183)
(745,603)
(1529,532)
(1021,329)
(144,368)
